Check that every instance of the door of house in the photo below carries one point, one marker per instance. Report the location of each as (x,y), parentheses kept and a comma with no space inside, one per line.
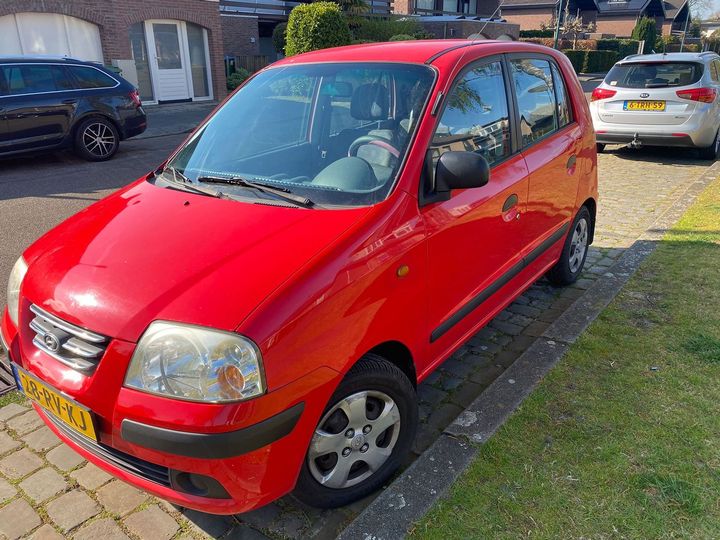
(167,44)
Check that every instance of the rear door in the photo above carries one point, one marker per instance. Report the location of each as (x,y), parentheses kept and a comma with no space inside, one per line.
(39,108)
(549,139)
(646,93)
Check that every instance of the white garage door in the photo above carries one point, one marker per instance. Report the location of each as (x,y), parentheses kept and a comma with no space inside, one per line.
(49,33)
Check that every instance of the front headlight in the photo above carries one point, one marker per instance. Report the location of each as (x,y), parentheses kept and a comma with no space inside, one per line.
(196,364)
(13,290)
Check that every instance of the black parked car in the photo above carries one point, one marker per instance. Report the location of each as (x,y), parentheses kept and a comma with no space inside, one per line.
(51,103)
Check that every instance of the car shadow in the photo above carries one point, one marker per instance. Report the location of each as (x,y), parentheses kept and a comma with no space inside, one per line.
(658,154)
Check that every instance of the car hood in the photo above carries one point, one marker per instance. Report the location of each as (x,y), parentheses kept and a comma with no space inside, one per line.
(150,253)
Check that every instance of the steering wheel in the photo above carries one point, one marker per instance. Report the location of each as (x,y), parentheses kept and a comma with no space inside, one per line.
(373,140)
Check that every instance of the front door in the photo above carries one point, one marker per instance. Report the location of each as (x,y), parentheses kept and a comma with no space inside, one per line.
(475,237)
(167,44)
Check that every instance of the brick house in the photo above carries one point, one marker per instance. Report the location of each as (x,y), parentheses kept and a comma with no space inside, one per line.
(616,17)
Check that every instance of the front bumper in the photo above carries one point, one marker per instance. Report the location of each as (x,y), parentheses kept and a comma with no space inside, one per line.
(213,458)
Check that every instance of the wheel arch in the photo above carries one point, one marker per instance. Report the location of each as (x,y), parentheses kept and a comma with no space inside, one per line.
(92,114)
(591,205)
(398,354)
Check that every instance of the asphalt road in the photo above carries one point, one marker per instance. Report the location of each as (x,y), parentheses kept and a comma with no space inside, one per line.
(37,192)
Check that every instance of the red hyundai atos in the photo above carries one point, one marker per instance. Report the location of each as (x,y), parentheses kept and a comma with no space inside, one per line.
(254,316)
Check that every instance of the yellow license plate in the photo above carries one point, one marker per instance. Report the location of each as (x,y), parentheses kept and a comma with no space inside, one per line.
(644,106)
(70,412)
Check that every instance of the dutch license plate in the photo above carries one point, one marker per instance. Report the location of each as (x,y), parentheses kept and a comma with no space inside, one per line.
(68,411)
(644,106)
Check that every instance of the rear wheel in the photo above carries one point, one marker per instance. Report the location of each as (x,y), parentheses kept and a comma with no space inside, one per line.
(600,147)
(711,152)
(362,437)
(96,139)
(572,259)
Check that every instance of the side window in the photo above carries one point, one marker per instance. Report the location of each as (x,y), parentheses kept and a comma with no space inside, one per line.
(87,77)
(3,83)
(475,118)
(533,83)
(563,105)
(30,79)
(714,70)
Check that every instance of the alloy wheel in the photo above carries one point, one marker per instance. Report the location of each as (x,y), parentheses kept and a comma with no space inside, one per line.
(354,439)
(578,245)
(99,139)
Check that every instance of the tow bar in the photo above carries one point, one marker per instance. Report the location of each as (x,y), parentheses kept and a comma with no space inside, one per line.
(636,142)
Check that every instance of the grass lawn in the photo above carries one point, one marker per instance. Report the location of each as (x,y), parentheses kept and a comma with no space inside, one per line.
(622,439)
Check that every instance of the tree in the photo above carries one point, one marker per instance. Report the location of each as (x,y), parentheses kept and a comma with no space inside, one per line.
(279,37)
(573,25)
(353,7)
(645,30)
(316,26)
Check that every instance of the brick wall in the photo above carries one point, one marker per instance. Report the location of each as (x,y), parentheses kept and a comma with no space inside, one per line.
(528,18)
(621,26)
(240,35)
(114,18)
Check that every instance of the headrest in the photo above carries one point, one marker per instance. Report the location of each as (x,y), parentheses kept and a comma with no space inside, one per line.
(370,102)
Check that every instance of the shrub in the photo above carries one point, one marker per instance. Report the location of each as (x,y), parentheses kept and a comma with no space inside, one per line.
(591,61)
(374,29)
(577,59)
(628,47)
(608,44)
(316,26)
(401,37)
(645,30)
(596,61)
(279,37)
(237,78)
(537,33)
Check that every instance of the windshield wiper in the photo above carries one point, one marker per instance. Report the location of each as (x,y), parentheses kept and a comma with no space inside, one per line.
(186,183)
(281,193)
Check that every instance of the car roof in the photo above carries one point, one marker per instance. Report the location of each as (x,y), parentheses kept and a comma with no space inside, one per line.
(411,51)
(669,57)
(41,58)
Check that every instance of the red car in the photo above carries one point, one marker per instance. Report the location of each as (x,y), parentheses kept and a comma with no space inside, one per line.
(254,316)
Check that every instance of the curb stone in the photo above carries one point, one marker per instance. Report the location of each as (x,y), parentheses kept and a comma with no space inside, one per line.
(411,495)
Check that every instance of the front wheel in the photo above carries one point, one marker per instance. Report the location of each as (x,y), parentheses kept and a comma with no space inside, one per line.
(362,437)
(711,152)
(96,139)
(572,259)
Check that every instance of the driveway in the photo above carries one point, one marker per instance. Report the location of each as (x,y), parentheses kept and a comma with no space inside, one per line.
(46,487)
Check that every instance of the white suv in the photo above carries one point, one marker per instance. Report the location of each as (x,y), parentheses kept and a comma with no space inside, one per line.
(660,100)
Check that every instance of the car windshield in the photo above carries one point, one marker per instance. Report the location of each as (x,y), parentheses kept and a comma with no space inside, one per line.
(654,74)
(335,134)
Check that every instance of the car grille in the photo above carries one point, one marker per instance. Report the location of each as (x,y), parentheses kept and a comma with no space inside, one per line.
(75,347)
(139,467)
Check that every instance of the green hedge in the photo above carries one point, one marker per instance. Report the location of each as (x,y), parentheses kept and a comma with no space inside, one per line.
(577,59)
(236,78)
(402,37)
(591,61)
(374,29)
(316,26)
(536,33)
(623,47)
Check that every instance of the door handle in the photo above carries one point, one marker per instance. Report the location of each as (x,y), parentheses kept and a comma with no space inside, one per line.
(70,101)
(572,160)
(509,209)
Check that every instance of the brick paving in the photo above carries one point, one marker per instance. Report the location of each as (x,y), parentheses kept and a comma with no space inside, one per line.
(46,491)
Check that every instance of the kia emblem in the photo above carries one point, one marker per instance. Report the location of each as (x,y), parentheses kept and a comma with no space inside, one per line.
(644,95)
(51,342)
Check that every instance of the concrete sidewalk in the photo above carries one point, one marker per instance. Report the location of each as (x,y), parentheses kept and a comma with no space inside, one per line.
(177,118)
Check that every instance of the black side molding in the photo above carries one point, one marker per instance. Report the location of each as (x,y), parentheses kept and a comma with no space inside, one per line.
(496,285)
(213,445)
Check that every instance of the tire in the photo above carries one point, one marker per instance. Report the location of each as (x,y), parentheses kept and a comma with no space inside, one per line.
(96,139)
(600,147)
(711,152)
(337,456)
(567,270)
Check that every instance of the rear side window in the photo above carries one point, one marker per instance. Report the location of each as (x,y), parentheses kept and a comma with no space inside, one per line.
(533,83)
(32,79)
(714,70)
(654,74)
(475,118)
(88,77)
(564,113)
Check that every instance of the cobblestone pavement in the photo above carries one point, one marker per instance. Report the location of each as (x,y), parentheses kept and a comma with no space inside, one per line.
(47,491)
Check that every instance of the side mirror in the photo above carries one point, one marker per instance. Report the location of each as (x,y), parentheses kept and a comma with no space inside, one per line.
(461,170)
